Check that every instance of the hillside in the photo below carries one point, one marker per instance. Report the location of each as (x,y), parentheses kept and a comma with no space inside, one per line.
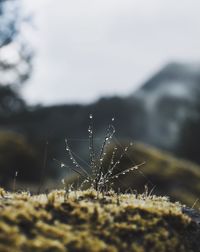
(87,221)
(162,173)
(171,100)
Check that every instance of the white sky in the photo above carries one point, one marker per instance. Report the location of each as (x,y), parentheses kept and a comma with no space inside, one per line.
(91,48)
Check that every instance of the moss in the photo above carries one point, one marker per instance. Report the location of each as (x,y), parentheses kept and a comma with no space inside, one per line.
(88,222)
(179,179)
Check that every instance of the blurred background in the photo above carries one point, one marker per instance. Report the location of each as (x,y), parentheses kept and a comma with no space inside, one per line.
(135,61)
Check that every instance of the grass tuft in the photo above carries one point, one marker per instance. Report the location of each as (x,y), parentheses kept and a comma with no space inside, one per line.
(97,177)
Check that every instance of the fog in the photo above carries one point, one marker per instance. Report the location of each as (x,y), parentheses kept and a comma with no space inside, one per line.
(88,49)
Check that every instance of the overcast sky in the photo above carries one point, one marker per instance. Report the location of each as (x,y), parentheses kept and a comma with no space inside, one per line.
(92,48)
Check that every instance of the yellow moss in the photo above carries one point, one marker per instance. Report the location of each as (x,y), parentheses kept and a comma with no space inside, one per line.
(94,223)
(41,243)
(2,193)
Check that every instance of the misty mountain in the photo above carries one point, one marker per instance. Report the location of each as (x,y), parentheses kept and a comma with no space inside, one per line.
(161,113)
(170,99)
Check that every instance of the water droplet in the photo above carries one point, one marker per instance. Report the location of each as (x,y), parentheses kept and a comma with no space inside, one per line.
(62,165)
(113,119)
(90,116)
(16,173)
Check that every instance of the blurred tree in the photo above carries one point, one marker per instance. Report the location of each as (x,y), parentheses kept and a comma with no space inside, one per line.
(15,55)
(10,101)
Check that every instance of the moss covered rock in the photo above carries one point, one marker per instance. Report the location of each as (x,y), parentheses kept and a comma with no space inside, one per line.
(89,221)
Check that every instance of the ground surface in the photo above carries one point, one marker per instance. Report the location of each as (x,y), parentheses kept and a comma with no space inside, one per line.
(87,221)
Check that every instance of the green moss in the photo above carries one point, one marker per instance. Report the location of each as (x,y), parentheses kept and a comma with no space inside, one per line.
(87,221)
